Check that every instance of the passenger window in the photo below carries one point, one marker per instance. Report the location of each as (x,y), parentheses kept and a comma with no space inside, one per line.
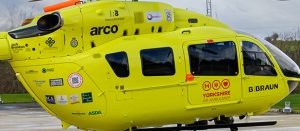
(158,62)
(213,59)
(119,63)
(256,62)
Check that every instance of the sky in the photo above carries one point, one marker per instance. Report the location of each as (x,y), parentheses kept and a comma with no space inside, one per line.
(258,17)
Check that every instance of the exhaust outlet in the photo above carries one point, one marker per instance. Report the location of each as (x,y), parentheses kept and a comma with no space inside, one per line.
(50,22)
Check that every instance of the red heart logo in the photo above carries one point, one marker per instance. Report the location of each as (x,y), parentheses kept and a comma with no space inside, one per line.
(225,83)
(216,84)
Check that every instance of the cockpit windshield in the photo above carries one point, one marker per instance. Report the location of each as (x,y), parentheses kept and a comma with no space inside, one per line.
(287,65)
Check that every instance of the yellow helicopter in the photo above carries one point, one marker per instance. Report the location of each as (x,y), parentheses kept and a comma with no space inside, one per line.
(115,65)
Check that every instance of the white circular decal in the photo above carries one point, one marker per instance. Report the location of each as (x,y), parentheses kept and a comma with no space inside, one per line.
(74,43)
(149,17)
(75,80)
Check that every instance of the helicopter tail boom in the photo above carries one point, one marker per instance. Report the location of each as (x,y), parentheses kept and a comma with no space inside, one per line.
(4,47)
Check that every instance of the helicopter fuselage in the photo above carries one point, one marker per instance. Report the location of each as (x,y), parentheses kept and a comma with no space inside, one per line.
(115,65)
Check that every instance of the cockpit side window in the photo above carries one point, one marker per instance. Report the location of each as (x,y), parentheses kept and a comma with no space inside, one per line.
(119,63)
(256,62)
(213,59)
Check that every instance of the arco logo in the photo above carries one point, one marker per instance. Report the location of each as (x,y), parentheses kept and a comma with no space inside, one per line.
(104,29)
(216,85)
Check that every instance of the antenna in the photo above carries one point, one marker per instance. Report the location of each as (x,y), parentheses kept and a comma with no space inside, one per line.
(208,8)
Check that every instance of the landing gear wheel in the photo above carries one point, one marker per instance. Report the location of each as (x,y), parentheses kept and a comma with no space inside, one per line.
(199,123)
(234,129)
(131,129)
(225,120)
(178,125)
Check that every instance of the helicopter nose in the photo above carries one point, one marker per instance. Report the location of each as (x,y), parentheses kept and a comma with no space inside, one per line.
(4,47)
(294,82)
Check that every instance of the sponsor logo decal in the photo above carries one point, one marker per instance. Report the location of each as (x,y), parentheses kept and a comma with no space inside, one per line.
(31,71)
(153,16)
(104,29)
(114,13)
(39,83)
(45,70)
(75,80)
(50,42)
(78,113)
(16,47)
(115,19)
(74,43)
(263,88)
(169,16)
(92,113)
(87,97)
(50,99)
(62,99)
(56,82)
(74,99)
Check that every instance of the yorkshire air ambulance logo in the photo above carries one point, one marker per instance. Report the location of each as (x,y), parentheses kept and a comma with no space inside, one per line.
(216,85)
(216,91)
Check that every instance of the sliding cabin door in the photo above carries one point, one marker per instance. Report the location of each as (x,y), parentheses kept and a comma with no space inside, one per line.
(215,67)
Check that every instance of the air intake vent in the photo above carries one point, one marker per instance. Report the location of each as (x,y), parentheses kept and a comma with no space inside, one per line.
(193,20)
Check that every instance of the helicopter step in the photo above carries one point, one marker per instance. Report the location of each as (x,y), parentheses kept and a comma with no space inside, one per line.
(233,126)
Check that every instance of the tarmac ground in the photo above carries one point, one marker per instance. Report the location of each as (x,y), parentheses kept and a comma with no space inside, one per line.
(31,117)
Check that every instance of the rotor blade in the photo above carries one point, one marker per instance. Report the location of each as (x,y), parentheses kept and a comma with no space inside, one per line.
(34,0)
(61,5)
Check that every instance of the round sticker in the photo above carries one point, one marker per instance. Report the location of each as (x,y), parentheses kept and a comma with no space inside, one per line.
(225,83)
(216,85)
(75,80)
(149,17)
(74,43)
(206,86)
